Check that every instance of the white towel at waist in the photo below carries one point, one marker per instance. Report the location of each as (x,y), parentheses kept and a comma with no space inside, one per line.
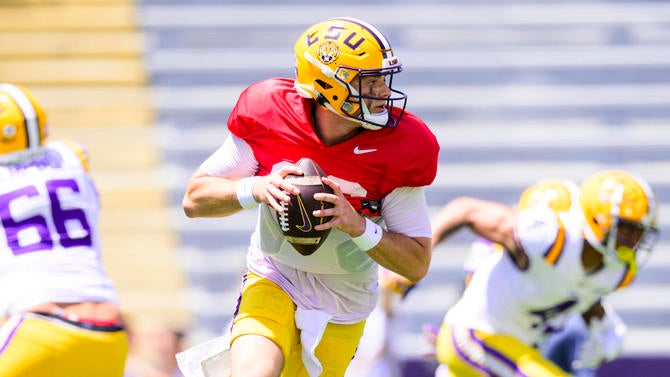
(312,324)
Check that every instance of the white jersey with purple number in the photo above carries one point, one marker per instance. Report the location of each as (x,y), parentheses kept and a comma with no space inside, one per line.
(49,247)
(503,299)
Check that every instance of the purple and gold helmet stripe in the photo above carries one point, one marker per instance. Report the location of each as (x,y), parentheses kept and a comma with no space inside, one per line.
(379,36)
(556,249)
(31,123)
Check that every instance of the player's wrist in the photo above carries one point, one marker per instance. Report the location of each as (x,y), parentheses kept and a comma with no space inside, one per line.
(371,236)
(245,192)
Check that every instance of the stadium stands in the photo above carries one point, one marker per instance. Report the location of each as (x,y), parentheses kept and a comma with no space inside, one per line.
(84,60)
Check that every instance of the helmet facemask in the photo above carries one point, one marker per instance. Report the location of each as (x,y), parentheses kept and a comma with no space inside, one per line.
(644,238)
(355,107)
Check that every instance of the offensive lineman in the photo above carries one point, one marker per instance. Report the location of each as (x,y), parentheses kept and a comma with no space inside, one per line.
(59,309)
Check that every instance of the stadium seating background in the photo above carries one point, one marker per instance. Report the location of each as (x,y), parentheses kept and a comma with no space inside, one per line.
(515,91)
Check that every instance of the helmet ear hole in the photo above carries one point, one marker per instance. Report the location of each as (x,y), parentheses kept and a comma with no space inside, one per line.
(323,84)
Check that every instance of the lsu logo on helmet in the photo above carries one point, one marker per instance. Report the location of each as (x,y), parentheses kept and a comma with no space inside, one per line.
(328,52)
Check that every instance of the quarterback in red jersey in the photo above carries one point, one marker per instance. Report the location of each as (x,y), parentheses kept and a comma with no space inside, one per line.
(304,315)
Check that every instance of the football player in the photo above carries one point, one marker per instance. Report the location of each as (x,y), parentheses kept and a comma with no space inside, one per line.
(553,264)
(303,315)
(562,344)
(59,309)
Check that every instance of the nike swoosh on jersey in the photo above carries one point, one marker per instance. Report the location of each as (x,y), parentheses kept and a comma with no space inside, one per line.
(357,150)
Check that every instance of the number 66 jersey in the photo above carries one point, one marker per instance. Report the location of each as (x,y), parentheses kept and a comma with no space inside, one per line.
(49,247)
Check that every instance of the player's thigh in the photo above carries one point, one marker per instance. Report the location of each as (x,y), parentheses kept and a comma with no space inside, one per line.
(41,348)
(265,309)
(338,346)
(470,353)
(335,351)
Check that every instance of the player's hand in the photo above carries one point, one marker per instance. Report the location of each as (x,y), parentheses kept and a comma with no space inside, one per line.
(273,189)
(344,216)
(395,283)
(604,343)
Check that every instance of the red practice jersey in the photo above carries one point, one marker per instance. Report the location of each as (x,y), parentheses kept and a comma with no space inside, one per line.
(276,122)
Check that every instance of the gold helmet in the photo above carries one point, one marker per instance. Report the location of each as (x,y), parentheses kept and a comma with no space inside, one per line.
(558,194)
(620,213)
(332,54)
(22,123)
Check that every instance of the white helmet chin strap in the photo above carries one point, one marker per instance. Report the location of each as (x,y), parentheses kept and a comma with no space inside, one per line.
(376,119)
(370,121)
(383,117)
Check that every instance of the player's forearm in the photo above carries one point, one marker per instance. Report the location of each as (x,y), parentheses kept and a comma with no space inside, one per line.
(450,219)
(208,196)
(595,311)
(409,257)
(491,220)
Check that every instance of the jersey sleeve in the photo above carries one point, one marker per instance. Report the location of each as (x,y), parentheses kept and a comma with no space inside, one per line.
(480,249)
(419,153)
(233,159)
(405,212)
(240,124)
(72,152)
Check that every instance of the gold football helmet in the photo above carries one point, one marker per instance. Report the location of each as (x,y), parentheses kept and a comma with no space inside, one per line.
(22,123)
(332,54)
(620,213)
(558,194)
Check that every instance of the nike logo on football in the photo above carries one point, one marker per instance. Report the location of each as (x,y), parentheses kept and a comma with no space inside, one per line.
(361,151)
(306,224)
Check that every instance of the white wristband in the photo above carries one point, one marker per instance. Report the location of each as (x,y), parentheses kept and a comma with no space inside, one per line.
(370,237)
(245,192)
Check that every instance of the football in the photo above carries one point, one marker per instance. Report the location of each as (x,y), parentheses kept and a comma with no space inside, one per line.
(297,222)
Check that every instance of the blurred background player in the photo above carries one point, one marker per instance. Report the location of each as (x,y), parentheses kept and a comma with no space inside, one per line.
(152,350)
(61,316)
(562,344)
(553,264)
(376,355)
